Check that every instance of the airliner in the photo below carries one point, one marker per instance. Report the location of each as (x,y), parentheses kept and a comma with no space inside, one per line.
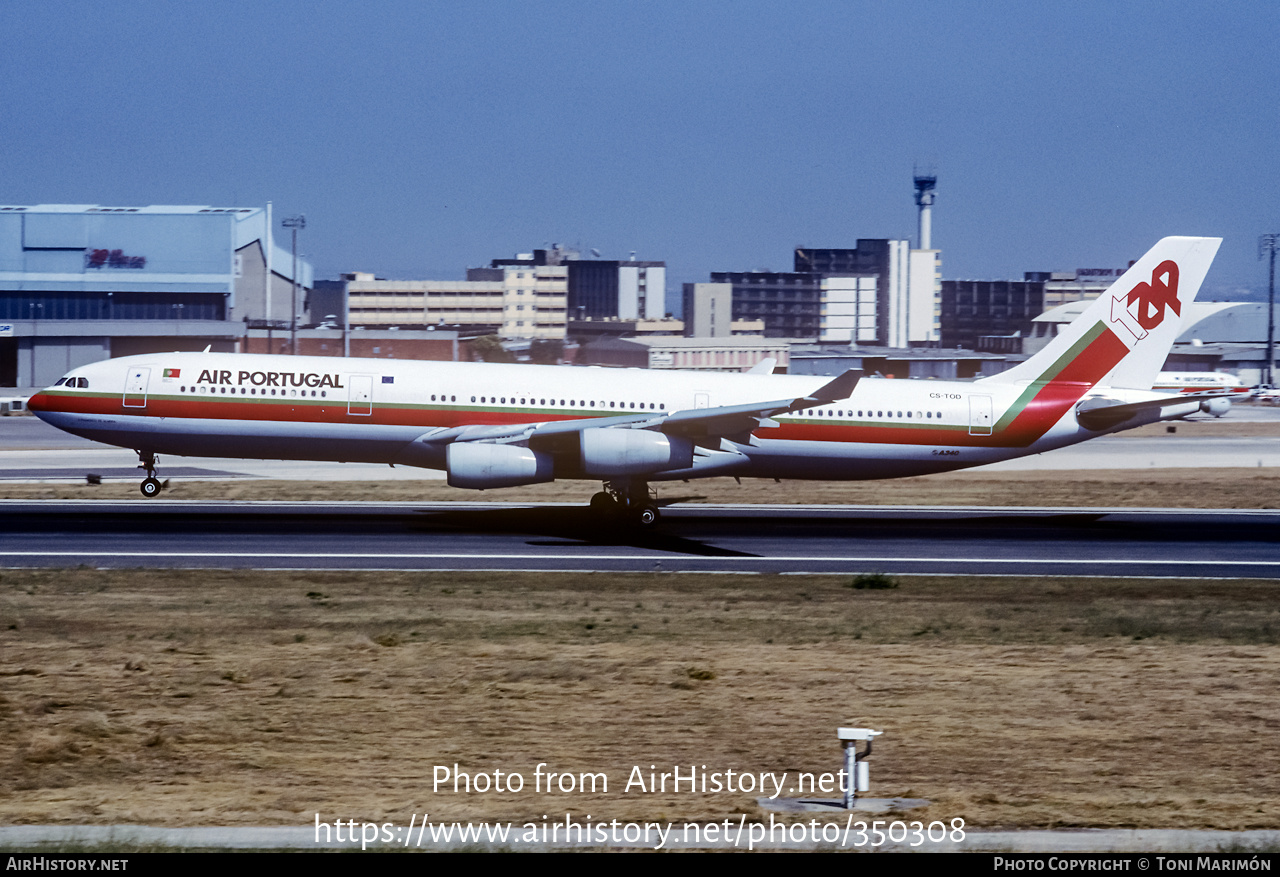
(493,425)
(1198,382)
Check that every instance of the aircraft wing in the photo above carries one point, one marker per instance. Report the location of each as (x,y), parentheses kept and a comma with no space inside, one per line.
(732,420)
(699,424)
(1099,412)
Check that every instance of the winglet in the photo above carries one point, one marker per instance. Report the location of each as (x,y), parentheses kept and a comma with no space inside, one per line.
(832,391)
(763,367)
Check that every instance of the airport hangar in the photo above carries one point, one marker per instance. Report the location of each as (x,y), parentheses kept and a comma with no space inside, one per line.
(81,283)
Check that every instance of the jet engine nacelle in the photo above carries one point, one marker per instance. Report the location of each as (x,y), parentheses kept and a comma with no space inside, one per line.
(1216,407)
(481,465)
(608,452)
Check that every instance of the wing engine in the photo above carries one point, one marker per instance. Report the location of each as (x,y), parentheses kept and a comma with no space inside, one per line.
(481,457)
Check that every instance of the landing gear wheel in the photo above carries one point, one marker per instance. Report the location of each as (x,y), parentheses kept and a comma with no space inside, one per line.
(646,516)
(603,504)
(151,488)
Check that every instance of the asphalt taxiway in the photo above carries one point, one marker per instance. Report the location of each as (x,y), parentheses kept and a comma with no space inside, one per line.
(702,538)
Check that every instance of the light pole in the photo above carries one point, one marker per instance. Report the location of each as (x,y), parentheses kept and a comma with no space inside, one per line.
(36,308)
(1267,246)
(294,223)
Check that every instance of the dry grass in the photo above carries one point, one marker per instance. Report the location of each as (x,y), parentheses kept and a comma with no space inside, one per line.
(1175,488)
(187,698)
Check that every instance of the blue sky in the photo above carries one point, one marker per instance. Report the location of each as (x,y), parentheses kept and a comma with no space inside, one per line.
(421,138)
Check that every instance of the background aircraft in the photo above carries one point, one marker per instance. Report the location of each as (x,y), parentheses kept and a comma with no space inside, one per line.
(1200,382)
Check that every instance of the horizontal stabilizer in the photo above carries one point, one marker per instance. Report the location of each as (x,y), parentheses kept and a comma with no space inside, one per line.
(1099,413)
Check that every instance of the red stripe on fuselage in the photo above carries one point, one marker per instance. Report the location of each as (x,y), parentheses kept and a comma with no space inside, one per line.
(1063,390)
(289,411)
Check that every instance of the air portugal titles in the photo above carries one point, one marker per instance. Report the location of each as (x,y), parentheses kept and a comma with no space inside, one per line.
(269,379)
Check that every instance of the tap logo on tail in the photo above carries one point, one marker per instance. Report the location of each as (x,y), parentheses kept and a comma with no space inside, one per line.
(1143,307)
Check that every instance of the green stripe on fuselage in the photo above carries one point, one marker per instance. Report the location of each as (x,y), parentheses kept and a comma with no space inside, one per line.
(1049,374)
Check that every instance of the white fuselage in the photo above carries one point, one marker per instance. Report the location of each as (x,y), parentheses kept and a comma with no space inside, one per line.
(386,411)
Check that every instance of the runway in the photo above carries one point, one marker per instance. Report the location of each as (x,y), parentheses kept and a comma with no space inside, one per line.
(702,538)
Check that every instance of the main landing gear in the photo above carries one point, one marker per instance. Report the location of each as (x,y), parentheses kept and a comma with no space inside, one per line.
(629,501)
(151,485)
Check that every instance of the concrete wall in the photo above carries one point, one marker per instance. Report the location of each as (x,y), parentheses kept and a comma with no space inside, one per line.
(709,309)
(41,361)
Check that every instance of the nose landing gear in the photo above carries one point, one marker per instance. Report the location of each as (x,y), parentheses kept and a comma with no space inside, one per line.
(151,485)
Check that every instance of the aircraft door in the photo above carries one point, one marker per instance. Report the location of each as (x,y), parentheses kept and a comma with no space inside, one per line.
(360,401)
(979,415)
(135,387)
(701,400)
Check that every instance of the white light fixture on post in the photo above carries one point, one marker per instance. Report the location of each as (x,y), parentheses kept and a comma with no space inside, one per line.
(294,223)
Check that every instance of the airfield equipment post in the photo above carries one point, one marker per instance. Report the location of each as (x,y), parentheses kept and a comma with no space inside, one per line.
(856,771)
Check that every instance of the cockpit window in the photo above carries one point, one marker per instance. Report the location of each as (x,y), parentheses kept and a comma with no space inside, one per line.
(82,383)
(60,382)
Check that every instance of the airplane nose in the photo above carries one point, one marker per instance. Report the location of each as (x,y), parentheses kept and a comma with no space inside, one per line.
(39,402)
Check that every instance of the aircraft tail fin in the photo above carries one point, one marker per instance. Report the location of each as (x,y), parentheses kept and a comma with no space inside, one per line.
(1123,338)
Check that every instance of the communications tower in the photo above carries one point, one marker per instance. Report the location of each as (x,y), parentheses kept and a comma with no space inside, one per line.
(926,182)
